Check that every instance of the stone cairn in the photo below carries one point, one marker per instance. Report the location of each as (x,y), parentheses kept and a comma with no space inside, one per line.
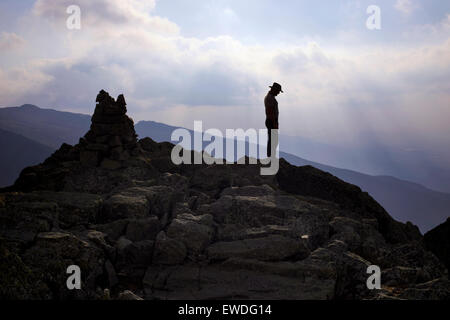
(111,139)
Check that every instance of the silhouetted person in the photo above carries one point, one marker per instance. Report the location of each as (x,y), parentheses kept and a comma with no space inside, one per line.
(272,116)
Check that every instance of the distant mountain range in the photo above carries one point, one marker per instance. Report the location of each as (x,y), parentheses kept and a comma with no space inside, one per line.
(46,126)
(30,134)
(373,158)
(17,153)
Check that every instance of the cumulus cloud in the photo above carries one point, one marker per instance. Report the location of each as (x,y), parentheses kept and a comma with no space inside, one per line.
(406,6)
(107,14)
(431,32)
(17,82)
(10,41)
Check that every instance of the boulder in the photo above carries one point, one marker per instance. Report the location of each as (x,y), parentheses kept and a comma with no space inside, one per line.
(402,276)
(89,158)
(437,289)
(271,248)
(249,191)
(113,230)
(414,255)
(168,251)
(110,164)
(125,206)
(232,232)
(247,211)
(122,243)
(239,279)
(194,232)
(160,200)
(128,295)
(19,281)
(361,238)
(54,252)
(143,229)
(22,221)
(312,225)
(135,255)
(74,208)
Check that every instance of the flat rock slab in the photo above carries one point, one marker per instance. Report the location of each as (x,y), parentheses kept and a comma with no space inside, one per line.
(271,248)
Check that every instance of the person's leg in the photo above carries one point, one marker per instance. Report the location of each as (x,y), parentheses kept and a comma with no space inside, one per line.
(269,142)
(274,142)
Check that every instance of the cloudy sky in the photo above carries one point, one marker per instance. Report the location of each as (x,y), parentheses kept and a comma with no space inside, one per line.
(177,61)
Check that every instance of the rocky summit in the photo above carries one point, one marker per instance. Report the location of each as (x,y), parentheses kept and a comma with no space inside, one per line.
(111,138)
(140,227)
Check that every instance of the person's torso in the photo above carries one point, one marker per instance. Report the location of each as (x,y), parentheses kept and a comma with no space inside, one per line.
(271,104)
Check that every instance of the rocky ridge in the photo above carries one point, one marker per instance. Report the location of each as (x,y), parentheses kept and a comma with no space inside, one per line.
(140,227)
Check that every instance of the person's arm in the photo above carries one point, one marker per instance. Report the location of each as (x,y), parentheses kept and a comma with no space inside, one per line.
(274,113)
(275,126)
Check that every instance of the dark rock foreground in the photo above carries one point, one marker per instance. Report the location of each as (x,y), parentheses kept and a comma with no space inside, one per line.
(139,226)
(438,242)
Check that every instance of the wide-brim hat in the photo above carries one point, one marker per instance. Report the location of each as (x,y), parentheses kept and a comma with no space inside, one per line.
(276,86)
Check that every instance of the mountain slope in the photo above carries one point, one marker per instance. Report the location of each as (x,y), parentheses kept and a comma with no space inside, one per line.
(17,153)
(46,126)
(404,200)
(424,167)
(438,242)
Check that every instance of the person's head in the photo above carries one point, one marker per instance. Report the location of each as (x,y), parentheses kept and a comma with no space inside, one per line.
(275,89)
